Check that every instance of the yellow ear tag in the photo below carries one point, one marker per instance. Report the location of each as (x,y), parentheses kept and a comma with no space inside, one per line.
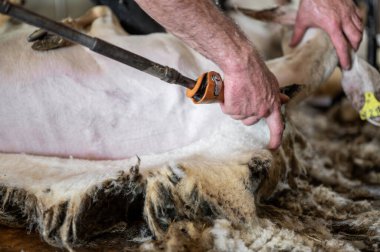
(371,107)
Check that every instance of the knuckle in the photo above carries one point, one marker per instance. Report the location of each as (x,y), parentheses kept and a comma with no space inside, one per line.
(236,112)
(346,19)
(335,23)
(335,30)
(263,112)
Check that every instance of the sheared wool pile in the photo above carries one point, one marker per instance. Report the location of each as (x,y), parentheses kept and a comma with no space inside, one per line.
(333,205)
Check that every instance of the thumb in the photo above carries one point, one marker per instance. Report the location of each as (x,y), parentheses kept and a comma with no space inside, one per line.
(276,128)
(299,31)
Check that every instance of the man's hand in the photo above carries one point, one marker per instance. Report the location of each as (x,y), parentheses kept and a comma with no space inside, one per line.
(341,19)
(253,93)
(251,90)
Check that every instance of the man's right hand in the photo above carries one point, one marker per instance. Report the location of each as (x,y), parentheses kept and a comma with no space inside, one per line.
(252,93)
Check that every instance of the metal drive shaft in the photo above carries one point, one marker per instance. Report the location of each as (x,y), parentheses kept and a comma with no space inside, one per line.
(102,47)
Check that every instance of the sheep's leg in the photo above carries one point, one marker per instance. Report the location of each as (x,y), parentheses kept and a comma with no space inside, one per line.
(314,60)
(362,86)
(109,22)
(309,64)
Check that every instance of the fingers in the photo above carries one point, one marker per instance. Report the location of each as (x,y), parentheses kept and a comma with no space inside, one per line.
(353,34)
(360,13)
(299,31)
(346,37)
(250,120)
(341,46)
(253,119)
(275,124)
(276,127)
(346,34)
(247,120)
(357,20)
(238,117)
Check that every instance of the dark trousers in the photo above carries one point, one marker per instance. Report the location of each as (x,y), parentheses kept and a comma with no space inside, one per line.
(132,18)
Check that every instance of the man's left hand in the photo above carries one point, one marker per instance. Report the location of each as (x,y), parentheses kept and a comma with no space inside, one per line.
(341,19)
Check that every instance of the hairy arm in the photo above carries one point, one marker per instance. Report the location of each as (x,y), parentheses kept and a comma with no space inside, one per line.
(251,90)
(201,25)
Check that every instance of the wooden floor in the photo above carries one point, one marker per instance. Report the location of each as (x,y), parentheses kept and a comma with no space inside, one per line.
(20,240)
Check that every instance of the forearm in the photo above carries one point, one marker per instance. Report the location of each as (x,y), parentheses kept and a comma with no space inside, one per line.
(203,27)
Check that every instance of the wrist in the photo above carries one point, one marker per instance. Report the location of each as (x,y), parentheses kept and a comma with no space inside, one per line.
(240,60)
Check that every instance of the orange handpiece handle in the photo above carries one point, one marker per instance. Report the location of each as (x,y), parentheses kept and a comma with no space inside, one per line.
(208,89)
